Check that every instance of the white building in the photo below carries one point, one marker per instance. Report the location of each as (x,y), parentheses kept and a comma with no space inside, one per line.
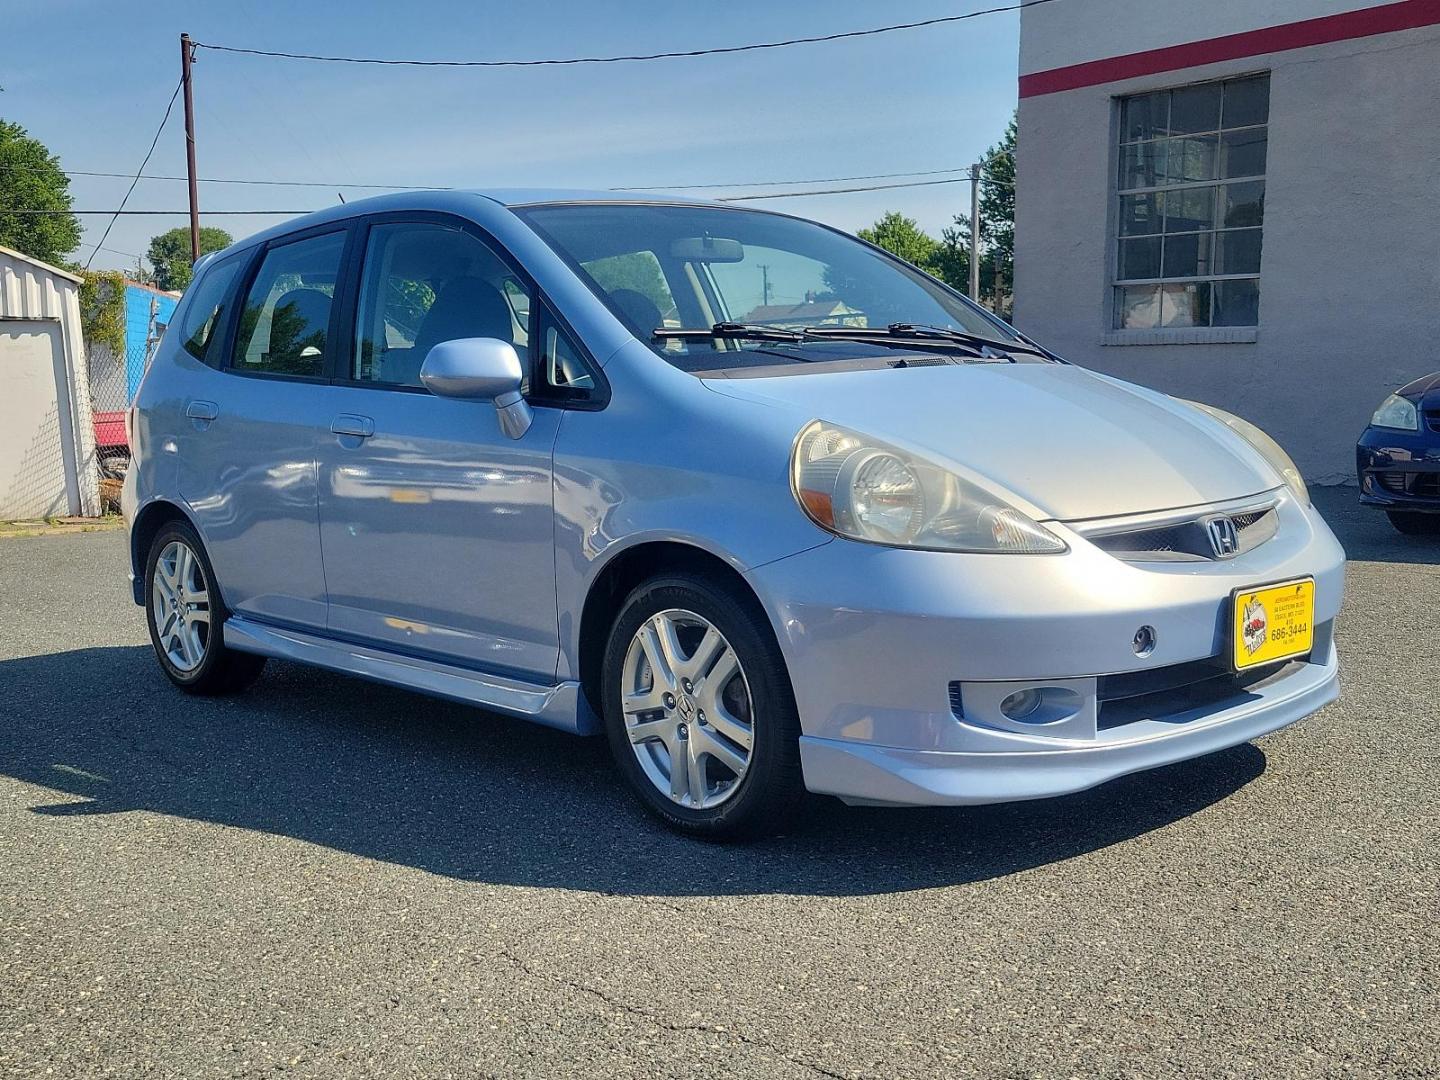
(47,432)
(1236,201)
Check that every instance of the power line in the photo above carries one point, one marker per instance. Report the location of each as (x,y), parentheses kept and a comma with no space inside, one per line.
(129,191)
(445,187)
(332,185)
(226,180)
(113,251)
(848,190)
(723,198)
(169,213)
(567,61)
(781,183)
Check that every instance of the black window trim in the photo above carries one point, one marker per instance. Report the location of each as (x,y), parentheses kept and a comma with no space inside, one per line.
(338,370)
(542,391)
(343,228)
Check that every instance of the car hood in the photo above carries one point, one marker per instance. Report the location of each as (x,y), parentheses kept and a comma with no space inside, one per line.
(1071,443)
(1424,391)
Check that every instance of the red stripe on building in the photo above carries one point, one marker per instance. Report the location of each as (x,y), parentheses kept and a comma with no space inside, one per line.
(1348,25)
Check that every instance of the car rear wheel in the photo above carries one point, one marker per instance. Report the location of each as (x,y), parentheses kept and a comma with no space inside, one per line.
(699,710)
(1412,524)
(185,615)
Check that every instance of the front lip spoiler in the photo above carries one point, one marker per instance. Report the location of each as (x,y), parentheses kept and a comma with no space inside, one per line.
(1400,502)
(866,774)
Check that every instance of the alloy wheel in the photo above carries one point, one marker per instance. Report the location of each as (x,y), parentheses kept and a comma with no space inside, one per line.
(180,606)
(688,710)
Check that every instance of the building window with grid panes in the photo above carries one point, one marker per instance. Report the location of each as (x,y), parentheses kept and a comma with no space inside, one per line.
(1191,189)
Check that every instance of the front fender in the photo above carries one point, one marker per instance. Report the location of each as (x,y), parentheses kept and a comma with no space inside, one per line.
(669,461)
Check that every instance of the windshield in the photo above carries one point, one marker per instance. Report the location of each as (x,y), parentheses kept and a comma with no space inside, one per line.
(667,268)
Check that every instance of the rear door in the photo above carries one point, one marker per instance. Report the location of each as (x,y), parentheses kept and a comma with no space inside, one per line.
(437,529)
(249,429)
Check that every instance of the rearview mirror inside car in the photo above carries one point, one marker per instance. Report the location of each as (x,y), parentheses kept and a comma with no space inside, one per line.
(707,249)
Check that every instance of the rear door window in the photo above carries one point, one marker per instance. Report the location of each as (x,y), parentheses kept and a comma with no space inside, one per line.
(285,323)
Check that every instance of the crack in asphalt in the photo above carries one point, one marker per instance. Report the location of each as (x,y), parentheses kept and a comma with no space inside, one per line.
(665,1025)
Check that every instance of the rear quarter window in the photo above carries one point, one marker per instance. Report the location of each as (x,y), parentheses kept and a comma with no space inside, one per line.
(210,298)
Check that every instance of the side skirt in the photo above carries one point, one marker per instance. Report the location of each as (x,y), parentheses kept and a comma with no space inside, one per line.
(561,706)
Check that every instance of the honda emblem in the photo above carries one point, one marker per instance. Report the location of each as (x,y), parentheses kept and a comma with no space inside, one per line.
(1224,537)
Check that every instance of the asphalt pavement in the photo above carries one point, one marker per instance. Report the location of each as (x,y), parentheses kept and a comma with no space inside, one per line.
(327,878)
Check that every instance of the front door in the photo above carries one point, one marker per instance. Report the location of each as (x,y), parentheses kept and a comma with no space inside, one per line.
(436,528)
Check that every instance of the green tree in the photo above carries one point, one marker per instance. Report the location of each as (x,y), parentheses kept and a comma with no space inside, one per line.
(997,228)
(952,258)
(902,236)
(169,254)
(31,179)
(997,207)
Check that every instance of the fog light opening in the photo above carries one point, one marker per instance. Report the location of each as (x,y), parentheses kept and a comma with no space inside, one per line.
(1022,705)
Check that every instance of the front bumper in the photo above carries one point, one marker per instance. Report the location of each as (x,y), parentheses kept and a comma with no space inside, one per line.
(1399,470)
(899,660)
(894,776)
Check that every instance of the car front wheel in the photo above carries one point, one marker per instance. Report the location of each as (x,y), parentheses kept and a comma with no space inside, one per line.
(186,614)
(699,710)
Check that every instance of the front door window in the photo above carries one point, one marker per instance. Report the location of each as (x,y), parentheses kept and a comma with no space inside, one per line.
(424,283)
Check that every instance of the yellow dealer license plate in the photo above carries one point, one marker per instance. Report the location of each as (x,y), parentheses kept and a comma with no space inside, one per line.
(1276,622)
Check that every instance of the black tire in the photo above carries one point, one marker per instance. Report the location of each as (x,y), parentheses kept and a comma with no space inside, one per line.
(766,796)
(1413,524)
(221,670)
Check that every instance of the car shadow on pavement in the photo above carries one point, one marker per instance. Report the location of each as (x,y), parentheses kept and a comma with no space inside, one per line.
(385,774)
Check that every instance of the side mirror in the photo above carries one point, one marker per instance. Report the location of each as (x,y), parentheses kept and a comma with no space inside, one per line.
(482,369)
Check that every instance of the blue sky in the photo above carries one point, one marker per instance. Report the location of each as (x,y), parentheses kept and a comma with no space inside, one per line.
(92,80)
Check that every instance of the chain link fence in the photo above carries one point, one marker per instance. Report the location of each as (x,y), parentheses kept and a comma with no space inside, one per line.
(115,379)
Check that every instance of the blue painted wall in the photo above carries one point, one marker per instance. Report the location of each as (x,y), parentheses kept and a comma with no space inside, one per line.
(137,330)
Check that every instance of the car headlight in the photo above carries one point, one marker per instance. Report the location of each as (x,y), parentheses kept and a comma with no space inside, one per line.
(865,489)
(1397,412)
(1264,445)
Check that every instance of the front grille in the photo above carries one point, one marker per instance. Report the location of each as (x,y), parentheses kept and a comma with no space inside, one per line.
(1187,541)
(1160,680)
(1207,683)
(1426,485)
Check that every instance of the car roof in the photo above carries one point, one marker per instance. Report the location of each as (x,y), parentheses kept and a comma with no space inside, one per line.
(536,196)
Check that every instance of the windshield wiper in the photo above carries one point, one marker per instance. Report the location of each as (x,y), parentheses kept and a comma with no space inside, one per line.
(913,331)
(747,331)
(999,344)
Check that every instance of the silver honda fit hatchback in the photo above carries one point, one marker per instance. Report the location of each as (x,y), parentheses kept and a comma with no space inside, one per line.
(770,508)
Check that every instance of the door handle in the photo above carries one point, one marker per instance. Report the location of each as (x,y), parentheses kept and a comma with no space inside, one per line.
(362,427)
(202,410)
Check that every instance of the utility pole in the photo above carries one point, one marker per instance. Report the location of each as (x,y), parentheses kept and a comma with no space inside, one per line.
(975,233)
(765,284)
(187,52)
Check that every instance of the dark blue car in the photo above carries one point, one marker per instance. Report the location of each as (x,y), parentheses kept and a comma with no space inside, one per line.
(1398,457)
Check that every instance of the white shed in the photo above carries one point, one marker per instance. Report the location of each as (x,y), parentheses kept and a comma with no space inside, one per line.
(47,433)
